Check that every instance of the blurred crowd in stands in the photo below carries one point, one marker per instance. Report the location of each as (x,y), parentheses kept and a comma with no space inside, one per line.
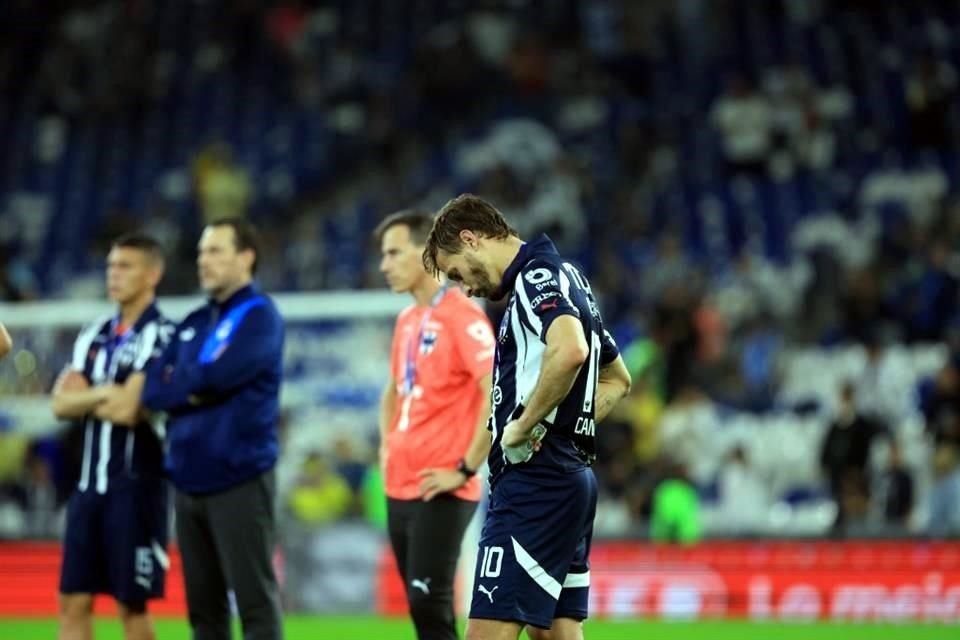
(752,187)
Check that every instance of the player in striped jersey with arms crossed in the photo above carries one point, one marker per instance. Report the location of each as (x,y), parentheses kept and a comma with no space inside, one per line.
(116,536)
(556,373)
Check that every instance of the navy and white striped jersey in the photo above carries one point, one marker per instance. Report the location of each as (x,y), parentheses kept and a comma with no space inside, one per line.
(542,287)
(104,357)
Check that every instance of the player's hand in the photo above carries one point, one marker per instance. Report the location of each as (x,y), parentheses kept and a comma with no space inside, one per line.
(434,481)
(69,379)
(519,446)
(116,407)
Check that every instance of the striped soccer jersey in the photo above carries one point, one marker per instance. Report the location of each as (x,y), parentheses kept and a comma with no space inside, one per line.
(105,356)
(542,286)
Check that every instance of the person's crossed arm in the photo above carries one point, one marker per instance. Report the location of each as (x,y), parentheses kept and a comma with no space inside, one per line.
(225,363)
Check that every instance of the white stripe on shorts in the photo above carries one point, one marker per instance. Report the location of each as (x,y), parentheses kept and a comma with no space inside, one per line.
(535,571)
(576,580)
(160,555)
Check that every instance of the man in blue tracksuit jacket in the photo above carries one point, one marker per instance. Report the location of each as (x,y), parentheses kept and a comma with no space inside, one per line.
(219,384)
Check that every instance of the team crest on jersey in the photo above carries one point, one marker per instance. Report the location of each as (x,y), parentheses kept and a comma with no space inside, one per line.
(428,342)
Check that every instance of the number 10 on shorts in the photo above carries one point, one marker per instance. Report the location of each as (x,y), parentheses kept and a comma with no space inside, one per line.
(492,562)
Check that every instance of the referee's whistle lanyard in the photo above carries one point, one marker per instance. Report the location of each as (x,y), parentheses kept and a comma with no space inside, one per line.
(410,365)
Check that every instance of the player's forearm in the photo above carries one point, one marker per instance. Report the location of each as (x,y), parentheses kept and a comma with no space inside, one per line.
(609,393)
(557,375)
(163,390)
(612,385)
(479,447)
(72,405)
(6,342)
(123,402)
(478,450)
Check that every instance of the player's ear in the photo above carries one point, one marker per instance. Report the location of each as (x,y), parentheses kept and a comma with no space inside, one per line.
(249,258)
(156,275)
(469,238)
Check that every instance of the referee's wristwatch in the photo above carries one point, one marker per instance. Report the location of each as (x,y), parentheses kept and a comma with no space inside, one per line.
(465,470)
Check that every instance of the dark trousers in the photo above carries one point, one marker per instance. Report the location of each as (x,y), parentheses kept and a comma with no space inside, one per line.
(227,540)
(426,538)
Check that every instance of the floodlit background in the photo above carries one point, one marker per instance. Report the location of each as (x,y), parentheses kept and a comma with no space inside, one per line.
(763,194)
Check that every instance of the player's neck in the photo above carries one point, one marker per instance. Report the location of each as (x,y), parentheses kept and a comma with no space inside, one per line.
(131,311)
(504,253)
(424,291)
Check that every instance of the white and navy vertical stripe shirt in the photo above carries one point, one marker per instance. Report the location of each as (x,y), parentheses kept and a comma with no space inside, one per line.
(542,287)
(104,356)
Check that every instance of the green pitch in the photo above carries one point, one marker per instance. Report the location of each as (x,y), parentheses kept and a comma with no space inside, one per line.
(336,628)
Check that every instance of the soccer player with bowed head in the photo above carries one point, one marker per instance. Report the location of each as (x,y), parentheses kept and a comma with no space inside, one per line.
(433,421)
(557,373)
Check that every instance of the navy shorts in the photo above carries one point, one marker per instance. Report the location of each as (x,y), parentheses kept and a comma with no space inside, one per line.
(532,564)
(116,542)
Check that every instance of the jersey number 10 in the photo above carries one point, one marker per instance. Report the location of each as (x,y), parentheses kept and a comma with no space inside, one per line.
(492,562)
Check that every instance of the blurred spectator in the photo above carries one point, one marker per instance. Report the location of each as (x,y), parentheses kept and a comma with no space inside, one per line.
(374,498)
(685,431)
(945,495)
(864,308)
(28,494)
(223,188)
(39,498)
(932,296)
(883,390)
(744,118)
(760,349)
(80,78)
(555,207)
(672,326)
(671,272)
(321,495)
(931,89)
(13,455)
(844,456)
(17,281)
(351,466)
(895,490)
(676,509)
(917,190)
(803,116)
(744,494)
(643,407)
(940,403)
